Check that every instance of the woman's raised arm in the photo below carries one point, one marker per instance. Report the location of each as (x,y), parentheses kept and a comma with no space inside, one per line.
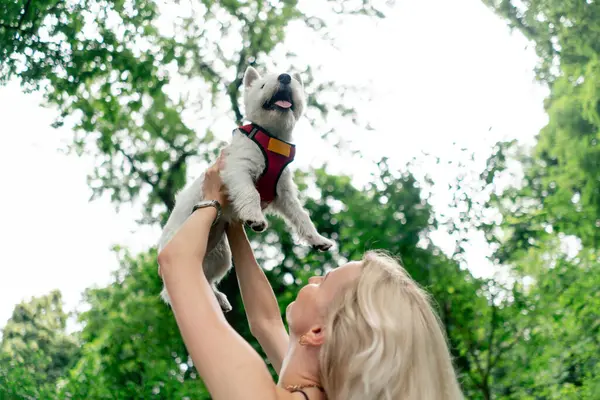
(230,368)
(262,309)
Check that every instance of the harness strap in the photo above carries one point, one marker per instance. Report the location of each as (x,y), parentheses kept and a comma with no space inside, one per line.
(277,155)
(301,391)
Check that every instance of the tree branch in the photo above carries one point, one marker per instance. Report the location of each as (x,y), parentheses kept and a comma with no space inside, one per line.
(470,350)
(208,69)
(233,88)
(491,338)
(142,174)
(508,347)
(233,97)
(165,194)
(12,28)
(24,15)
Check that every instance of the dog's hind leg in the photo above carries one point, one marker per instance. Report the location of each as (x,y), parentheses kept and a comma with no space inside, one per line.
(216,265)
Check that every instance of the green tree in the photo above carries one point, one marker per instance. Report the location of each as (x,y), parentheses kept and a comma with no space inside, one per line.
(560,191)
(558,353)
(548,231)
(36,351)
(106,65)
(131,345)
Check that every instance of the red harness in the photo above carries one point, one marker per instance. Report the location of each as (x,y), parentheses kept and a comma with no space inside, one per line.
(278,154)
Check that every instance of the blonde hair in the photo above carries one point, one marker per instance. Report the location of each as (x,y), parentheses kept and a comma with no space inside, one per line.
(384,341)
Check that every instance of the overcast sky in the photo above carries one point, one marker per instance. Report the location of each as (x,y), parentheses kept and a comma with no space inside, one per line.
(439,72)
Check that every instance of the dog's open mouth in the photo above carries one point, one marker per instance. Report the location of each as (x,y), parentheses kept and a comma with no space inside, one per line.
(281,100)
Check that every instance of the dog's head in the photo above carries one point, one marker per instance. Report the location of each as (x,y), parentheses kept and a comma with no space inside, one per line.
(274,101)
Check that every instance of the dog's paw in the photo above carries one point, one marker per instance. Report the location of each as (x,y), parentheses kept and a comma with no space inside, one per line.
(257,226)
(320,243)
(223,301)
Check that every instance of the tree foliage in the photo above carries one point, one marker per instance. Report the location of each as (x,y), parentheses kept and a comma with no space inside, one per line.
(549,227)
(131,345)
(109,68)
(35,350)
(560,191)
(106,65)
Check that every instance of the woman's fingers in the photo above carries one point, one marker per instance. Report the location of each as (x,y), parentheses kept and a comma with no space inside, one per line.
(221,160)
(216,167)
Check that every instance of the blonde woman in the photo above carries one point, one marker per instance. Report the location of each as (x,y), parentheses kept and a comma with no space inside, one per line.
(364,331)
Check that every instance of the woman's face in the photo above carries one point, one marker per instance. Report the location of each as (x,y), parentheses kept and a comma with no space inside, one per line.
(309,307)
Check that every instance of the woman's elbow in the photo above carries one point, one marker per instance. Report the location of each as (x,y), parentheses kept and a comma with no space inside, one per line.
(169,255)
(261,328)
(164,257)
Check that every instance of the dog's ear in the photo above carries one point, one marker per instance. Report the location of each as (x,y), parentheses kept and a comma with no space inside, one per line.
(250,76)
(298,77)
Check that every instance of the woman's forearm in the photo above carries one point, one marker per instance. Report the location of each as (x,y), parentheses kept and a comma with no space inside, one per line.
(257,294)
(190,241)
(179,262)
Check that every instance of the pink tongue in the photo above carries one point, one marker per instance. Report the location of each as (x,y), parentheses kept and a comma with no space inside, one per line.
(283,104)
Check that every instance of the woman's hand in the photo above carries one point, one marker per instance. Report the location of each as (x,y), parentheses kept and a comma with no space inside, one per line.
(213,187)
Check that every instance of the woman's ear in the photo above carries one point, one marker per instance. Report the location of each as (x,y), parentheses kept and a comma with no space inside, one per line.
(315,336)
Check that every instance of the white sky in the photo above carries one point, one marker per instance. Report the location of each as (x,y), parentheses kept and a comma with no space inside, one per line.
(440,72)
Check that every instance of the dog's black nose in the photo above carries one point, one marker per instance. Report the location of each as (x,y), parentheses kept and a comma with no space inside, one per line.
(285,79)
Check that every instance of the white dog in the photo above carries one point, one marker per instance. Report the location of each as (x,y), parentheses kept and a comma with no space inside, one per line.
(255,173)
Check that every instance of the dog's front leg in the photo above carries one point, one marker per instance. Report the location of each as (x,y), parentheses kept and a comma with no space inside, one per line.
(246,204)
(244,198)
(288,206)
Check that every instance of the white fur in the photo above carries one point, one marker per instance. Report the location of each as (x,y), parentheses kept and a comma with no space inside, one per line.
(244,163)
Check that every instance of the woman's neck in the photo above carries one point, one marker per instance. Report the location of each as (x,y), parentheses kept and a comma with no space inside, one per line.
(301,369)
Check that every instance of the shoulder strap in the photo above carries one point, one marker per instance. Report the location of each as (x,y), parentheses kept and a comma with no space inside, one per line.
(249,130)
(301,391)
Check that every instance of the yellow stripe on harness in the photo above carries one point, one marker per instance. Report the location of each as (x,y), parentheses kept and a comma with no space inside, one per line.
(279,147)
